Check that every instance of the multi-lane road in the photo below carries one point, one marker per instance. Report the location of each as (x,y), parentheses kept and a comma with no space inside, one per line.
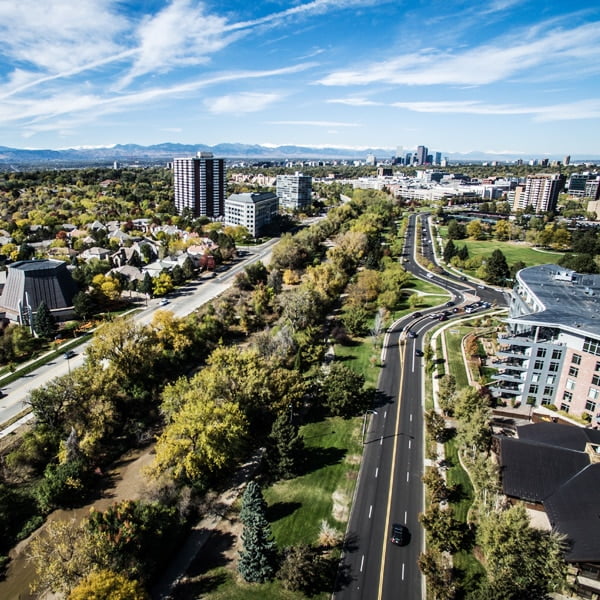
(389,489)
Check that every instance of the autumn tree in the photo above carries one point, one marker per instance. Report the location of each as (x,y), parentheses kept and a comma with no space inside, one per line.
(202,439)
(104,584)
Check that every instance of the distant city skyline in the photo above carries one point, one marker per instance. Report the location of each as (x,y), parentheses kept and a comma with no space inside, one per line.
(503,77)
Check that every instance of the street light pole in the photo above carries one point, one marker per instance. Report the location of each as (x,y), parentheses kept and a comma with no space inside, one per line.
(364,428)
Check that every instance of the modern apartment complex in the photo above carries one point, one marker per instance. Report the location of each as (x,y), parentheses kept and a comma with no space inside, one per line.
(294,191)
(199,184)
(551,355)
(540,192)
(252,210)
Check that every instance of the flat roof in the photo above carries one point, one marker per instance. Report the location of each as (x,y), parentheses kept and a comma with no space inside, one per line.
(571,300)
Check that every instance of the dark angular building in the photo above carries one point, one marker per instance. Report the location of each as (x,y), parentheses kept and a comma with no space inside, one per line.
(31,282)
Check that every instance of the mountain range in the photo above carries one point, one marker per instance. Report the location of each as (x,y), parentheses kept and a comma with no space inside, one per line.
(15,158)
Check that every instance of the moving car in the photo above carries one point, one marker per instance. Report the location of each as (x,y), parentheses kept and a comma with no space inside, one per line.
(164,302)
(419,352)
(412,334)
(69,354)
(399,534)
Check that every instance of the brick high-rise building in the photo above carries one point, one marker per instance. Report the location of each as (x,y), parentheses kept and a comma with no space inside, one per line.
(539,191)
(199,184)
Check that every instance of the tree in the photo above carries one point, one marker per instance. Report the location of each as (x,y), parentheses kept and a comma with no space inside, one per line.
(300,570)
(257,561)
(83,305)
(343,391)
(502,230)
(463,253)
(446,391)
(63,556)
(456,230)
(436,426)
(107,585)
(450,250)
(521,561)
(44,323)
(146,286)
(445,532)
(497,268)
(162,284)
(285,448)
(435,484)
(355,318)
(203,438)
(475,230)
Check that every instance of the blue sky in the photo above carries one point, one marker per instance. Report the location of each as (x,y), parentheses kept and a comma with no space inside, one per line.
(502,76)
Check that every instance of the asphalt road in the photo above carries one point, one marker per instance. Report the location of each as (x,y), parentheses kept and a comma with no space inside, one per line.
(181,302)
(389,489)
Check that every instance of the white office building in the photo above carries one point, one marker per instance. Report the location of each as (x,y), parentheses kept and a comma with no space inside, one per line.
(253,210)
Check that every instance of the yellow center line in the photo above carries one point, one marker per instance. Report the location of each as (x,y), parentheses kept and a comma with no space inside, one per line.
(389,504)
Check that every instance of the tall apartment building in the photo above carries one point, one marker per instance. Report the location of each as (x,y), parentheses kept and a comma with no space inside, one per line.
(294,191)
(540,192)
(199,185)
(422,152)
(577,183)
(551,354)
(252,210)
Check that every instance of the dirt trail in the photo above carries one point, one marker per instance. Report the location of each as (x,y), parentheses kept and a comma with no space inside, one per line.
(126,482)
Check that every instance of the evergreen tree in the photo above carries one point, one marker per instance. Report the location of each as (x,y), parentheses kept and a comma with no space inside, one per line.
(83,305)
(44,324)
(456,230)
(450,250)
(497,268)
(258,558)
(285,449)
(463,253)
(146,286)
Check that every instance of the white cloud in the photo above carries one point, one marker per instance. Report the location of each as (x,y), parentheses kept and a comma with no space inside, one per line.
(353,101)
(484,64)
(582,109)
(60,35)
(314,123)
(244,102)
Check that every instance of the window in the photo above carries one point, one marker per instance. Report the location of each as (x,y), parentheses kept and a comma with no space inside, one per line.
(550,379)
(546,402)
(573,371)
(596,380)
(548,390)
(591,346)
(556,353)
(553,367)
(535,378)
(541,352)
(533,389)
(590,405)
(570,385)
(576,359)
(593,394)
(597,366)
(567,396)
(564,407)
(539,364)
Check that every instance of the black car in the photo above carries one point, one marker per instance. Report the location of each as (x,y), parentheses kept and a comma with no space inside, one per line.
(417,315)
(419,352)
(412,334)
(399,535)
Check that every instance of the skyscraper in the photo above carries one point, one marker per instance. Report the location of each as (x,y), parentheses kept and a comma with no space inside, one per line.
(422,152)
(199,184)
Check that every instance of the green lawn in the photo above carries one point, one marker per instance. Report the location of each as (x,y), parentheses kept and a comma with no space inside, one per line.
(514,251)
(325,491)
(456,365)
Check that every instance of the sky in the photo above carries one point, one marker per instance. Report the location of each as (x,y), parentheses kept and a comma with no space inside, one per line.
(499,76)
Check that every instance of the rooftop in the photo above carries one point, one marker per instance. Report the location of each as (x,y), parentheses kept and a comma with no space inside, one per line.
(571,300)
